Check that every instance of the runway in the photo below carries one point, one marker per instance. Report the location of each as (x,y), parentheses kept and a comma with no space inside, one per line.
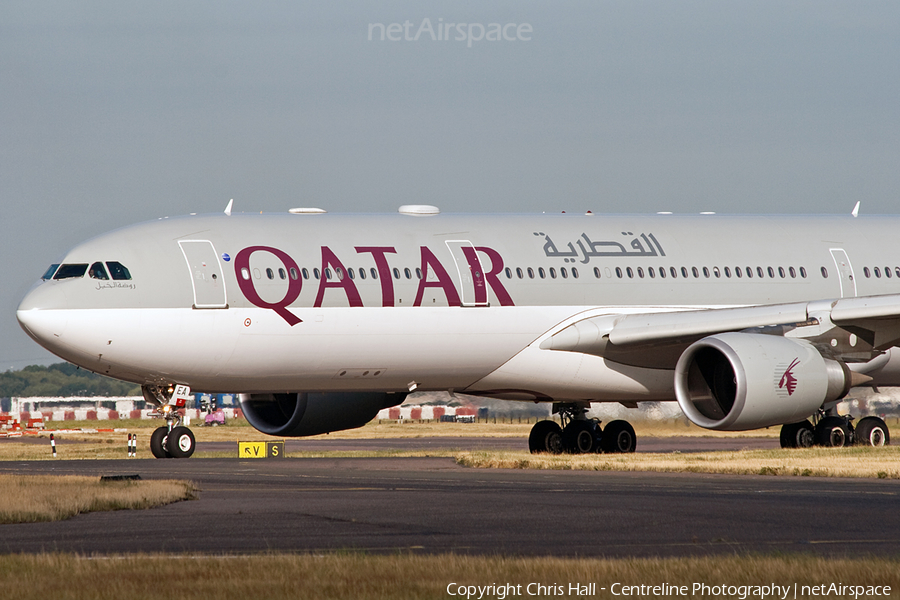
(432,505)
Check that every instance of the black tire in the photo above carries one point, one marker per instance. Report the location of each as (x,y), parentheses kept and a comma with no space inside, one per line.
(580,437)
(180,443)
(872,431)
(833,432)
(158,442)
(798,435)
(546,436)
(618,437)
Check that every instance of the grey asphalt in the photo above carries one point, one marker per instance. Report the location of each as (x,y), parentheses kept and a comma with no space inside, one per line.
(432,505)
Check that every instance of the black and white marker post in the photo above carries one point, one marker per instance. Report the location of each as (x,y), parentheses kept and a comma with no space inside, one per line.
(53,445)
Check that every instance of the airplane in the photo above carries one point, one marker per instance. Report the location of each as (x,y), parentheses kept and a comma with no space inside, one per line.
(320,320)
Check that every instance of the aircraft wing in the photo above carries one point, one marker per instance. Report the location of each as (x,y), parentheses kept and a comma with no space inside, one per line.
(657,339)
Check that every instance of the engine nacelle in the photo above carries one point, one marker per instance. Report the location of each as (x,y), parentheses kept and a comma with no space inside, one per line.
(298,414)
(740,381)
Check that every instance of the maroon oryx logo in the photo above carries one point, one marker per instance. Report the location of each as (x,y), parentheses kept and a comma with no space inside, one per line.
(788,381)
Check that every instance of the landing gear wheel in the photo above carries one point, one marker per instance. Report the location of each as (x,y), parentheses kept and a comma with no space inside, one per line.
(158,442)
(833,432)
(180,443)
(797,435)
(546,436)
(618,437)
(580,437)
(872,431)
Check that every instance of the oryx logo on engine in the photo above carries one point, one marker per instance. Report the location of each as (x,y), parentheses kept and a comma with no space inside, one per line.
(788,381)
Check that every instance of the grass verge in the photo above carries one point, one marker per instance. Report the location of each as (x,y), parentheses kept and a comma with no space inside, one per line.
(880,463)
(33,498)
(400,577)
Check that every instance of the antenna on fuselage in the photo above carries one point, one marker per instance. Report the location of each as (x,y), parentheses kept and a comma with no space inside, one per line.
(228,208)
(855,211)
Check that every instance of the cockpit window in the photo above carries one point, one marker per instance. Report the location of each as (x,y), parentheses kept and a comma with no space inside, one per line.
(97,271)
(71,271)
(49,273)
(118,271)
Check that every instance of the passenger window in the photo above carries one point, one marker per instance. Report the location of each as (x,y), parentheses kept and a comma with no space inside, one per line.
(866,272)
(705,272)
(695,272)
(305,273)
(897,271)
(716,272)
(270,273)
(619,272)
(508,273)
(738,272)
(887,272)
(803,272)
(97,271)
(563,272)
(673,272)
(574,273)
(793,272)
(877,272)
(282,274)
(338,272)
(662,272)
(408,273)
(530,273)
(640,272)
(597,272)
(759,271)
(396,273)
(651,272)
(727,272)
(629,272)
(418,272)
(541,272)
(71,271)
(771,272)
(316,273)
(118,271)
(362,273)
(519,273)
(48,274)
(328,274)
(749,273)
(781,272)
(684,272)
(245,273)
(351,273)
(824,273)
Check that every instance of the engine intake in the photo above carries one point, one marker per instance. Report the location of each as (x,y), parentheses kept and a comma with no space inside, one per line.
(298,414)
(740,381)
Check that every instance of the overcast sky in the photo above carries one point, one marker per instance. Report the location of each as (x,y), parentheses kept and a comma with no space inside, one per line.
(115,112)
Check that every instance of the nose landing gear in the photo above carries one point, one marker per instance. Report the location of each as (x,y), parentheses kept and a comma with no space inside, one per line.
(173,440)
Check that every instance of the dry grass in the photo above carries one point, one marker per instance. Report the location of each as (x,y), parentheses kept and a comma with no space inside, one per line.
(400,577)
(32,498)
(881,463)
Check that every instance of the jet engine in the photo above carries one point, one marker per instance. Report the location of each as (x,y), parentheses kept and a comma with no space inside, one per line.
(740,381)
(298,414)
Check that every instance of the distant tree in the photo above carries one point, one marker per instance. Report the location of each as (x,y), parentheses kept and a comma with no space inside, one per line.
(62,379)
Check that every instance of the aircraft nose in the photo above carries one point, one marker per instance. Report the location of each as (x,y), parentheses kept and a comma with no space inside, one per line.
(42,313)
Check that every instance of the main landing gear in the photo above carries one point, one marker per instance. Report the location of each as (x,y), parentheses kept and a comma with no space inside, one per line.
(579,434)
(173,440)
(834,431)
